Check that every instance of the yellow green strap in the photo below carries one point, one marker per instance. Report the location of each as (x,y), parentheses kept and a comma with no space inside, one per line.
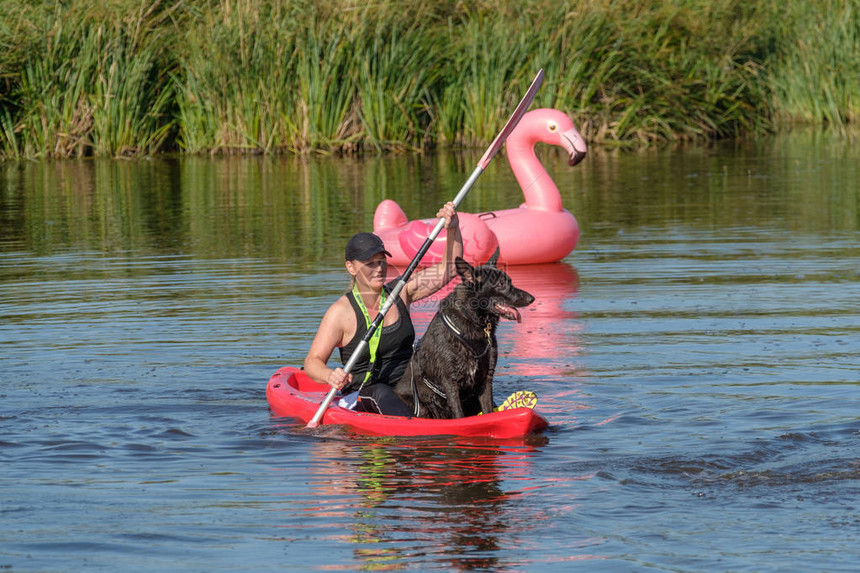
(373,343)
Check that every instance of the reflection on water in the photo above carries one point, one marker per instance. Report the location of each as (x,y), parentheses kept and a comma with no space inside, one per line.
(287,208)
(803,184)
(301,210)
(454,505)
(546,343)
(696,358)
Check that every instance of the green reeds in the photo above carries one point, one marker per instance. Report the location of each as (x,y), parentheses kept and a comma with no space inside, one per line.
(816,72)
(268,80)
(396,73)
(126,77)
(493,61)
(90,86)
(234,81)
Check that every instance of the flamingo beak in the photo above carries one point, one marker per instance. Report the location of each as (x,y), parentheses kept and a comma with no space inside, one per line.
(575,145)
(576,158)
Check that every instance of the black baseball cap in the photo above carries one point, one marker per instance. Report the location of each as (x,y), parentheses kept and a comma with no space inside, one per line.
(362,246)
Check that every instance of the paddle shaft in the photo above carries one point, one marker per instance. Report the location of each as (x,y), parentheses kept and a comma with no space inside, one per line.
(416,260)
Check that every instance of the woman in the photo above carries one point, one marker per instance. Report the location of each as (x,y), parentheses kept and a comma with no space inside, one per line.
(347,320)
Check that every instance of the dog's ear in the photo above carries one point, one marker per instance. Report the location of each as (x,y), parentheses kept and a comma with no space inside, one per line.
(465,270)
(494,259)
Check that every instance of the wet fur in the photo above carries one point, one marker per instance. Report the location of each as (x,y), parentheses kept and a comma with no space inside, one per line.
(462,367)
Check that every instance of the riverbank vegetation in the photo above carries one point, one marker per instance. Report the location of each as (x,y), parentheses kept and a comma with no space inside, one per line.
(138,77)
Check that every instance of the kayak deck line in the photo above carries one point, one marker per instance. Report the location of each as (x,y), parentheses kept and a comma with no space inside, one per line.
(293,394)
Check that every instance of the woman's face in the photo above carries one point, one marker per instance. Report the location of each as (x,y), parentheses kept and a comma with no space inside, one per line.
(371,272)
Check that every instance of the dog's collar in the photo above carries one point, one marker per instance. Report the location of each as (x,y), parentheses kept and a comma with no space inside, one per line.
(488,331)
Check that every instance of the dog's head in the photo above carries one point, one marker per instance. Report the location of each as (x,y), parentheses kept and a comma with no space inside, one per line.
(490,290)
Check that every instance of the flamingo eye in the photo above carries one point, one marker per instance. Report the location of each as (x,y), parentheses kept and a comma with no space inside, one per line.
(553,126)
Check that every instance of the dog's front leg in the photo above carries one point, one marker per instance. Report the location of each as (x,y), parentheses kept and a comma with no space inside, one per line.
(485,398)
(452,394)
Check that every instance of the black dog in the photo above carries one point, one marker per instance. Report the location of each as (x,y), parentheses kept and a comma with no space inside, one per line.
(451,372)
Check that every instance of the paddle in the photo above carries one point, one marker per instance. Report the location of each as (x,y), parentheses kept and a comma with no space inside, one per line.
(395,292)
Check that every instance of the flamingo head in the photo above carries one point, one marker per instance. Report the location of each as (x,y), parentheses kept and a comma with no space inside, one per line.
(552,127)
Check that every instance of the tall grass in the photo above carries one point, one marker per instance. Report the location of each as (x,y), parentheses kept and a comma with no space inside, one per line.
(295,76)
(90,86)
(816,72)
(492,59)
(396,72)
(270,79)
(234,80)
(688,73)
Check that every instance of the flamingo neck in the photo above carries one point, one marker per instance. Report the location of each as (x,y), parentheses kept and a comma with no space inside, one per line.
(539,189)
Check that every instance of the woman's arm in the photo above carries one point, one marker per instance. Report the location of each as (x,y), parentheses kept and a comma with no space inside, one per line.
(328,337)
(427,281)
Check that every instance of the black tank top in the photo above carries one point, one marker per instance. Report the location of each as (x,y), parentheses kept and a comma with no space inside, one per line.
(393,353)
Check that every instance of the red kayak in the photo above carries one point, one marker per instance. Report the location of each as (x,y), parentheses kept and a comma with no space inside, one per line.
(291,393)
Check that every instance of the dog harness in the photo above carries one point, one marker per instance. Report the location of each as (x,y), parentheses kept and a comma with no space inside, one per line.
(488,332)
(416,409)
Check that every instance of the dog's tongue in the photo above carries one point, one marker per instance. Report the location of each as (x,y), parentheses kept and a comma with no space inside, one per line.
(509,312)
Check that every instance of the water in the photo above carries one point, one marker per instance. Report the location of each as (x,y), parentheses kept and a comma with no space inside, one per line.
(697,357)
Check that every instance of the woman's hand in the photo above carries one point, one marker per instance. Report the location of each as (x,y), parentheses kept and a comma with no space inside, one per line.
(337,378)
(450,214)
(429,280)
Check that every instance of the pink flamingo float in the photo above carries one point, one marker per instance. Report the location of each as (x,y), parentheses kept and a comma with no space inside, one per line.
(540,230)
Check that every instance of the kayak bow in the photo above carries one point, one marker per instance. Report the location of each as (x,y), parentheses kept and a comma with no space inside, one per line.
(293,394)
